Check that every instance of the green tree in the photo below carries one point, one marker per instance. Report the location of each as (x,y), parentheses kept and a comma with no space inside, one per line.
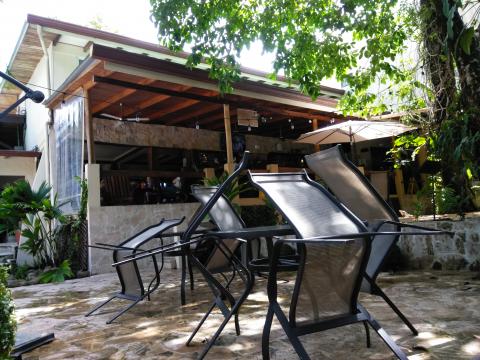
(451,58)
(361,43)
(353,41)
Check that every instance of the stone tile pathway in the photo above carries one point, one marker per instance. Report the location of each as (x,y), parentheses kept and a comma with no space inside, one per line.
(445,307)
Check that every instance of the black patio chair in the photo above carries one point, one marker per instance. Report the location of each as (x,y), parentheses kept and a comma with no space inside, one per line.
(334,246)
(354,190)
(129,274)
(221,215)
(220,260)
(220,266)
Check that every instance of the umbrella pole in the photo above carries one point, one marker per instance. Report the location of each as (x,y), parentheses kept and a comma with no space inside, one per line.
(352,149)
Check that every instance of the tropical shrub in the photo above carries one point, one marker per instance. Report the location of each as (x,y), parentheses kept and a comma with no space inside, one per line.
(58,274)
(71,241)
(41,232)
(41,218)
(16,201)
(8,324)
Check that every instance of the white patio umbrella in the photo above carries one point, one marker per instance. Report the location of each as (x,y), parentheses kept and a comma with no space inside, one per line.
(353,131)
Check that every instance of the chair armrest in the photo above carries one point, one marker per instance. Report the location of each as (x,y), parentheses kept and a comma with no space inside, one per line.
(160,250)
(103,246)
(428,230)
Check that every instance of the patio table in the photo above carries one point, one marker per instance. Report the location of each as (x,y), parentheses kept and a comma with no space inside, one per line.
(249,234)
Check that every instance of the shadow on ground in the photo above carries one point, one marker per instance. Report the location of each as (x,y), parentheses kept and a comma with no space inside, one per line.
(444,307)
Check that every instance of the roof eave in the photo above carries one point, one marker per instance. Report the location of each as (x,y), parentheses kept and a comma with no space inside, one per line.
(52,24)
(79,70)
(15,51)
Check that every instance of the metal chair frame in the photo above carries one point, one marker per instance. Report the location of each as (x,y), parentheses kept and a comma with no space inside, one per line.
(394,220)
(154,283)
(357,312)
(223,297)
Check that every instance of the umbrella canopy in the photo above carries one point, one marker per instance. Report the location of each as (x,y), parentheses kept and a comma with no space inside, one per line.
(354,131)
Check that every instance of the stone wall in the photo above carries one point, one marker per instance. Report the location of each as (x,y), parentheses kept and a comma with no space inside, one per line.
(137,134)
(462,251)
(114,224)
(133,133)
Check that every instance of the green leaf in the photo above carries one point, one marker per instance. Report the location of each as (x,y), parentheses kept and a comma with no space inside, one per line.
(58,274)
(466,39)
(469,174)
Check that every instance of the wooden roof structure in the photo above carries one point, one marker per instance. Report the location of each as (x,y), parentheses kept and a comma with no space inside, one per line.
(129,78)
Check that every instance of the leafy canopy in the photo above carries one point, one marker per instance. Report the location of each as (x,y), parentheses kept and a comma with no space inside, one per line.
(354,41)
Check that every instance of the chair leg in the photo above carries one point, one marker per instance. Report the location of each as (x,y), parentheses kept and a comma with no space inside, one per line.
(220,329)
(387,339)
(266,334)
(200,323)
(397,311)
(383,334)
(99,306)
(183,280)
(294,340)
(237,324)
(123,311)
(152,289)
(190,271)
(367,333)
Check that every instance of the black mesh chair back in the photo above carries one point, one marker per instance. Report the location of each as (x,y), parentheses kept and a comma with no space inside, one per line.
(331,269)
(333,253)
(225,218)
(129,274)
(354,190)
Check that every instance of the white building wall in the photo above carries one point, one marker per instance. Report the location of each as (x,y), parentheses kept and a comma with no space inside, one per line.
(65,59)
(18,166)
(37,114)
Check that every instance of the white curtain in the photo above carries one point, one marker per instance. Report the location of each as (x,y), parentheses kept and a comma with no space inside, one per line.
(68,158)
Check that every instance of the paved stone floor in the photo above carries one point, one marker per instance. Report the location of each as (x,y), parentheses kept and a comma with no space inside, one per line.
(445,308)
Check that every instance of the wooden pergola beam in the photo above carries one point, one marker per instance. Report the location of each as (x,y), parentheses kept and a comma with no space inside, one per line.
(202,110)
(211,99)
(179,106)
(216,118)
(118,97)
(144,105)
(293,113)
(153,100)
